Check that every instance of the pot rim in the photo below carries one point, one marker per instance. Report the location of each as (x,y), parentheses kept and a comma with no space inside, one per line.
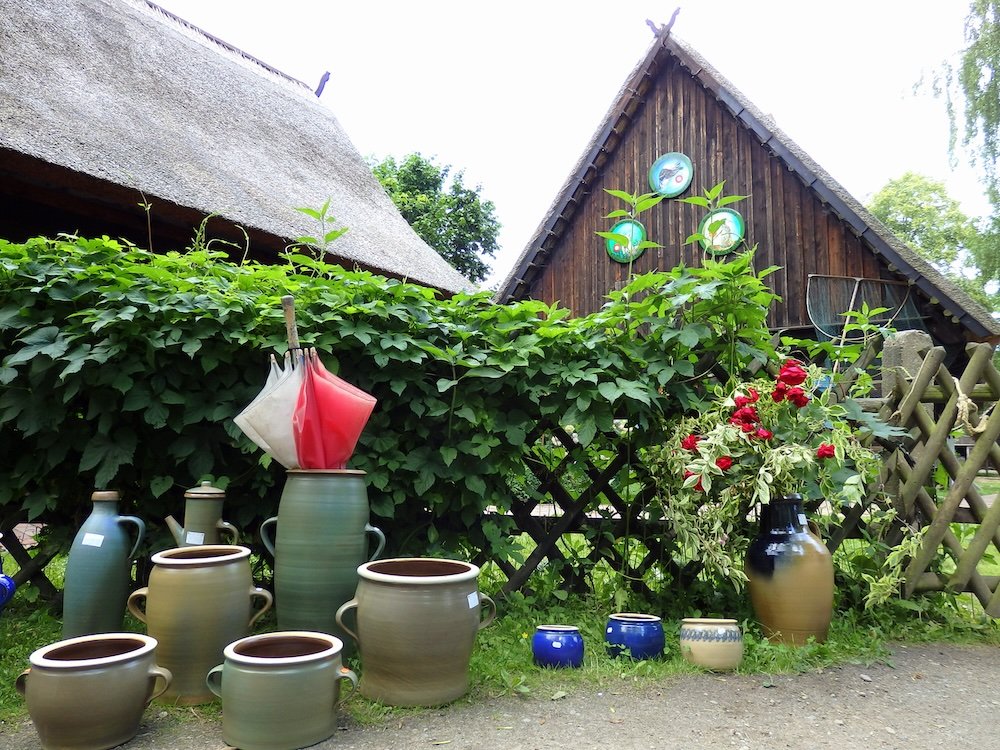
(39,657)
(470,574)
(321,472)
(709,621)
(187,557)
(334,647)
(558,628)
(634,617)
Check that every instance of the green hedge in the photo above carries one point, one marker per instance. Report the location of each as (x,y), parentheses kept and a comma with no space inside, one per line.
(123,369)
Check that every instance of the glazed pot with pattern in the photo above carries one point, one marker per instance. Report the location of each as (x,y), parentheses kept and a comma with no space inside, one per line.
(790,574)
(199,600)
(99,568)
(640,634)
(557,646)
(416,624)
(712,643)
(280,690)
(90,692)
(318,539)
(203,522)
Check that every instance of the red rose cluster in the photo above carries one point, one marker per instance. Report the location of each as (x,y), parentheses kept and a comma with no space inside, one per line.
(790,377)
(746,418)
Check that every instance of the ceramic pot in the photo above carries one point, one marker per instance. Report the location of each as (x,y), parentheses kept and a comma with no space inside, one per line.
(89,693)
(417,620)
(280,690)
(199,600)
(7,589)
(557,646)
(203,522)
(715,644)
(318,539)
(641,634)
(791,575)
(99,569)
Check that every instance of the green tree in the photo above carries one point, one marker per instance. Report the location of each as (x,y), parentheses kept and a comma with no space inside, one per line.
(450,217)
(920,212)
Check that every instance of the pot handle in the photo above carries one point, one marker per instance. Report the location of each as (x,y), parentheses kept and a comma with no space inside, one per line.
(369,529)
(140,527)
(491,614)
(227,529)
(263,596)
(214,680)
(133,603)
(267,535)
(814,529)
(20,684)
(352,604)
(347,674)
(159,680)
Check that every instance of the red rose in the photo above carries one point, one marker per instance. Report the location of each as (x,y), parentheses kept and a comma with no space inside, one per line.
(742,401)
(753,395)
(764,434)
(779,392)
(690,443)
(826,450)
(697,485)
(745,414)
(792,373)
(724,462)
(797,396)
(747,427)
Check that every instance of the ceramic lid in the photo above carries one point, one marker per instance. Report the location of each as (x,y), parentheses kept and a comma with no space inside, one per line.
(105,495)
(205,491)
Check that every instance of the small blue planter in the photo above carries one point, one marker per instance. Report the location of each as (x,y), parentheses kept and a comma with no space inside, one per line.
(557,646)
(642,635)
(7,588)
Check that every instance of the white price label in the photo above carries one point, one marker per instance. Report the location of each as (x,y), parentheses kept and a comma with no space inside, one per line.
(473,599)
(92,540)
(802,519)
(195,537)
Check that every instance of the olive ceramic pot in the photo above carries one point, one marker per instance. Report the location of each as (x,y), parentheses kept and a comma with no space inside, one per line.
(416,624)
(280,690)
(203,522)
(99,569)
(89,692)
(790,574)
(557,646)
(318,539)
(199,600)
(642,635)
(712,643)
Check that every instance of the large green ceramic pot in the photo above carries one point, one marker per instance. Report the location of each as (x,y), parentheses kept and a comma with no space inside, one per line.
(318,539)
(280,690)
(199,600)
(89,693)
(790,574)
(99,569)
(417,620)
(203,522)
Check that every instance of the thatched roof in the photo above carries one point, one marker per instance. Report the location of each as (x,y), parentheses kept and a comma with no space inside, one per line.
(899,258)
(122,92)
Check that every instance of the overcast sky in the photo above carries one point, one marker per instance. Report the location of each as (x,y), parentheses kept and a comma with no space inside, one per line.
(512,92)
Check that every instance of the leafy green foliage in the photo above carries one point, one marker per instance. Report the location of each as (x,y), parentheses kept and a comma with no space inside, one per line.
(453,219)
(124,369)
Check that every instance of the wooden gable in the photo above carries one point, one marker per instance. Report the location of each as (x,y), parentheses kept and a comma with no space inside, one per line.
(797,215)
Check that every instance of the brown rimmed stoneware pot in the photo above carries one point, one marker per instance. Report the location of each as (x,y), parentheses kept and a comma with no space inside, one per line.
(712,643)
(199,600)
(89,692)
(280,690)
(417,620)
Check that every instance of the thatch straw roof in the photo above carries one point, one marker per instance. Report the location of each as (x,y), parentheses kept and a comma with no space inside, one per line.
(122,93)
(901,260)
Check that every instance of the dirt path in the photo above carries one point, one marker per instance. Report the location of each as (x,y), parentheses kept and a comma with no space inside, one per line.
(931,697)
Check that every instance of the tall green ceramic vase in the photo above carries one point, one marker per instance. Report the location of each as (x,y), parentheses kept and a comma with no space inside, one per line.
(318,539)
(199,600)
(99,569)
(417,620)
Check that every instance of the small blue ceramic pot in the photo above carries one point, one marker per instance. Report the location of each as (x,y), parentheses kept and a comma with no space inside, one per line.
(642,635)
(557,646)
(7,588)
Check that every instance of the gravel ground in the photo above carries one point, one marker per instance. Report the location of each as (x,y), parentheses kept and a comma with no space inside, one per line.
(932,696)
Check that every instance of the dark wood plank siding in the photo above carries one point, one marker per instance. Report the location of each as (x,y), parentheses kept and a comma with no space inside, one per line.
(790,224)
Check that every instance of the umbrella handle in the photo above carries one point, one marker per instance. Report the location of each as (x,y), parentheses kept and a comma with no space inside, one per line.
(291,329)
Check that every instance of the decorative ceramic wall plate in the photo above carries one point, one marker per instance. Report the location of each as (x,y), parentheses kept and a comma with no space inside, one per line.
(723,229)
(635,232)
(671,174)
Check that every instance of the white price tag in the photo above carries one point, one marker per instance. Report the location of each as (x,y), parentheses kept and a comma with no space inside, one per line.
(802,519)
(473,599)
(195,537)
(92,540)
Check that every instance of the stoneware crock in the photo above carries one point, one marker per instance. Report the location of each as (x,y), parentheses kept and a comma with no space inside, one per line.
(712,643)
